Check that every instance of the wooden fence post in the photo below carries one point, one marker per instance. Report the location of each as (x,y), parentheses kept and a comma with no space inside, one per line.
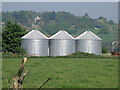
(17,85)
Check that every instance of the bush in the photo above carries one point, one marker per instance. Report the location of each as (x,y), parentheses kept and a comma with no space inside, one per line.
(9,55)
(13,55)
(104,50)
(20,50)
(82,55)
(11,36)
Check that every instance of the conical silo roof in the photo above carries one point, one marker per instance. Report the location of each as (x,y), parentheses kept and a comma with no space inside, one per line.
(88,35)
(61,35)
(34,34)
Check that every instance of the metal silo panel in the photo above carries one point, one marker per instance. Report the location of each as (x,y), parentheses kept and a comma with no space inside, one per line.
(35,47)
(89,46)
(61,47)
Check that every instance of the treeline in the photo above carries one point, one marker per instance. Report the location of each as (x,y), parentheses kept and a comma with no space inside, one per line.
(51,22)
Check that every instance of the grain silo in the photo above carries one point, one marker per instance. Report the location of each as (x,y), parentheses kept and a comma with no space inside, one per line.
(88,42)
(35,43)
(61,44)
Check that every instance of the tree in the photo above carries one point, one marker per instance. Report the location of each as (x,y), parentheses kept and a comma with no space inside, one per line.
(104,30)
(11,36)
(86,15)
(102,19)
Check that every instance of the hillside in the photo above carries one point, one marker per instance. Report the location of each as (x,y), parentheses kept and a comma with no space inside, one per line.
(51,22)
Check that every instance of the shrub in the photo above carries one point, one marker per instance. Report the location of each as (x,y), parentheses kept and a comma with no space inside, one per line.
(11,36)
(9,55)
(83,55)
(20,50)
(104,50)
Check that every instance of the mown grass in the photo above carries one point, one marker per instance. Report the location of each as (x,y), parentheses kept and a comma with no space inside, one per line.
(65,72)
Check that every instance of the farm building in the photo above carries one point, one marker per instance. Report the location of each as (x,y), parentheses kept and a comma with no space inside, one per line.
(89,42)
(61,44)
(35,43)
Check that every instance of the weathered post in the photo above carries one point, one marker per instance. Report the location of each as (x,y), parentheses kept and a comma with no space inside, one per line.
(17,85)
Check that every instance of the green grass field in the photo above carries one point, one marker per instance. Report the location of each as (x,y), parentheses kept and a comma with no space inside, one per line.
(65,72)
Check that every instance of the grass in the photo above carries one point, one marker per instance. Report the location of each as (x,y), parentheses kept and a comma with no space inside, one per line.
(66,72)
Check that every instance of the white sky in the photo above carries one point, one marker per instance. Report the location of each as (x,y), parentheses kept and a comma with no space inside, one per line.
(59,0)
(109,12)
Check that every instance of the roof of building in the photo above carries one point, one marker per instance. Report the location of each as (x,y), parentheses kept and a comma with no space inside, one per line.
(34,34)
(61,35)
(88,35)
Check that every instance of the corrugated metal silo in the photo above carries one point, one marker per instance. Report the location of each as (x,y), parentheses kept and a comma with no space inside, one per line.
(35,43)
(88,42)
(61,44)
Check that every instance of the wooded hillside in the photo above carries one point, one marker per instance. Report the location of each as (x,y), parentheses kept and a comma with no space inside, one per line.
(51,22)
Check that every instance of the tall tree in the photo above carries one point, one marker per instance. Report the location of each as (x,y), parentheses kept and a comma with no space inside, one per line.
(11,36)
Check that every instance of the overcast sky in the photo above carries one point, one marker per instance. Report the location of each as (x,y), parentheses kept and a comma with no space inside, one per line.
(59,0)
(94,9)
